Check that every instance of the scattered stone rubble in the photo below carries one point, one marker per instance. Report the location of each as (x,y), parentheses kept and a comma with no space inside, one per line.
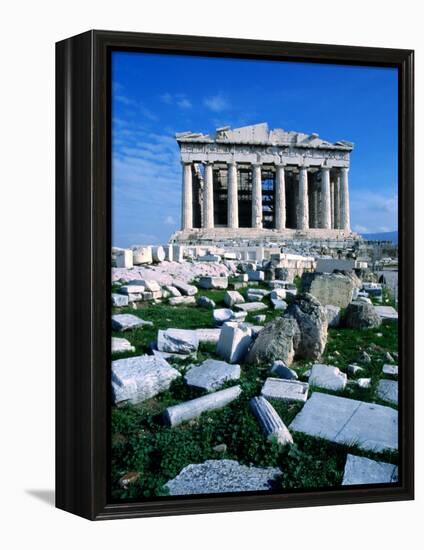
(254,280)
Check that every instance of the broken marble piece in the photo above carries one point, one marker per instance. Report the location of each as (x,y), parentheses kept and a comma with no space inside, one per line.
(213,282)
(234,342)
(364,471)
(346,421)
(271,424)
(127,321)
(285,390)
(136,379)
(121,345)
(182,300)
(363,383)
(119,300)
(211,374)
(132,289)
(193,409)
(184,288)
(221,315)
(280,369)
(391,370)
(251,306)
(174,292)
(176,340)
(328,377)
(232,297)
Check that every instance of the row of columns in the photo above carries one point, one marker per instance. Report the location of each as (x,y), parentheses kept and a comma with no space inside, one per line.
(333,212)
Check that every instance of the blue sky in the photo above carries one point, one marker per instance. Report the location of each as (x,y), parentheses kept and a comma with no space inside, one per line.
(155,95)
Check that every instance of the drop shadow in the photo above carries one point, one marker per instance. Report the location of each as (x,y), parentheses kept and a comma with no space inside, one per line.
(45,495)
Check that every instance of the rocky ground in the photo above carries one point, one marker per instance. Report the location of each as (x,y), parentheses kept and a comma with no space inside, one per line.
(246,384)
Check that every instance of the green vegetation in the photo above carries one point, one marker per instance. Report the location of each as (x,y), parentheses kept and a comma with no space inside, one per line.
(142,443)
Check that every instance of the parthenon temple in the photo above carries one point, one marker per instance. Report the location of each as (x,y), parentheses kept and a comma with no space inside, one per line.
(252,182)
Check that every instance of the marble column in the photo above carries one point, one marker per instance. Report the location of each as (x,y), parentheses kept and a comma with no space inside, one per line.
(336,202)
(280,197)
(232,196)
(344,200)
(332,202)
(325,198)
(208,212)
(303,202)
(187,198)
(257,197)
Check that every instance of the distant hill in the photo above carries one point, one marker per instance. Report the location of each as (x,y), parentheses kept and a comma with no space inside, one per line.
(390,236)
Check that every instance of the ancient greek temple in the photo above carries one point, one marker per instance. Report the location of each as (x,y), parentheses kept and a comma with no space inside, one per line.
(251,182)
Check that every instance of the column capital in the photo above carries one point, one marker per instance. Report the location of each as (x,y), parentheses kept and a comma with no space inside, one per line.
(185,162)
(324,167)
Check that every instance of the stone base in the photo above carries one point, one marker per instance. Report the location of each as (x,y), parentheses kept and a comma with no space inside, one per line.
(261,236)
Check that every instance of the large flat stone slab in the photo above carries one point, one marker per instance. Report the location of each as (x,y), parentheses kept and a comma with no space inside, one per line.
(346,421)
(363,471)
(387,390)
(285,390)
(221,476)
(127,321)
(139,378)
(328,377)
(211,374)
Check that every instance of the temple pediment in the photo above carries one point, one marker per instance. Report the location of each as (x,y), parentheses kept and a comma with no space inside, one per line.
(260,134)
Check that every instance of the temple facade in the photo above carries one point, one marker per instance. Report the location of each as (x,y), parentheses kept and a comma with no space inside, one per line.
(252,182)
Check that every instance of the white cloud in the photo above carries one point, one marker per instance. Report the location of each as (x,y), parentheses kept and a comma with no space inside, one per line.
(216,103)
(180,100)
(372,212)
(184,103)
(169,220)
(166,98)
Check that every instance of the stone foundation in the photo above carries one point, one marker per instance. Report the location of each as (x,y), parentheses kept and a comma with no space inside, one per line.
(261,236)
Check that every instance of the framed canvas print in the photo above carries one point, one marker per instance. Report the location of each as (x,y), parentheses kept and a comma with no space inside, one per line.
(234,274)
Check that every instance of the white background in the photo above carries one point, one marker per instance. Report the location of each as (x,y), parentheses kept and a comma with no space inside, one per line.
(28,33)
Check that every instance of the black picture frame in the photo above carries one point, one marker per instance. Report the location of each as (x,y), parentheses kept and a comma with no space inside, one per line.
(83,244)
